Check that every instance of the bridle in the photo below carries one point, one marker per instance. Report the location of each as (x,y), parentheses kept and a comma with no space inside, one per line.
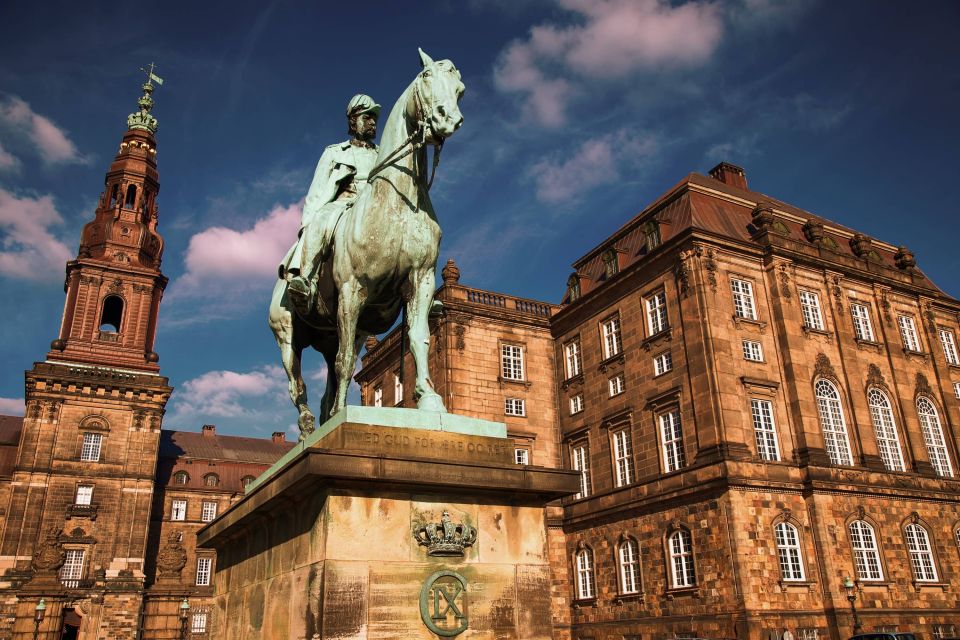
(424,117)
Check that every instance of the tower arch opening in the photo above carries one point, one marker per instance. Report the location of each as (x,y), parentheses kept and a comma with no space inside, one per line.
(112,314)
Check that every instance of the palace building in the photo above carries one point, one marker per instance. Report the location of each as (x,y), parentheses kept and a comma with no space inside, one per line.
(763,405)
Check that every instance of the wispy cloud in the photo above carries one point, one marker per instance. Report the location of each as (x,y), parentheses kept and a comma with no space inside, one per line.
(11,406)
(28,250)
(231,394)
(8,161)
(603,40)
(598,161)
(52,143)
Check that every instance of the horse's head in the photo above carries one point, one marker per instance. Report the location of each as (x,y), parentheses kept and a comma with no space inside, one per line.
(438,91)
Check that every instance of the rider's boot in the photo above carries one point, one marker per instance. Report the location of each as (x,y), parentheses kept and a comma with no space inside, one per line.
(298,290)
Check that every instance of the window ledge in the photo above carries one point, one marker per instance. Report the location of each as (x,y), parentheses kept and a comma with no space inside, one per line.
(918,354)
(675,592)
(621,598)
(918,585)
(572,380)
(954,367)
(83,511)
(617,358)
(580,603)
(665,334)
(797,584)
(749,321)
(808,331)
(871,344)
(522,383)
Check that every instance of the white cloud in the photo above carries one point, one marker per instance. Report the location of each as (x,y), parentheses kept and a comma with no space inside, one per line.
(596,162)
(11,406)
(27,248)
(8,162)
(222,262)
(608,40)
(50,141)
(230,393)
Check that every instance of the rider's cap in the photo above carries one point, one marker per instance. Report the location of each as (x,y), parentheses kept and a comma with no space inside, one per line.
(362,103)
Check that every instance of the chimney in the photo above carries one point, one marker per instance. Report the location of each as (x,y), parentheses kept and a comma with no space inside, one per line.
(209,430)
(730,174)
(279,437)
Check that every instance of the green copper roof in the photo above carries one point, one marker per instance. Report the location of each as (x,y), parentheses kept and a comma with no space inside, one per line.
(142,119)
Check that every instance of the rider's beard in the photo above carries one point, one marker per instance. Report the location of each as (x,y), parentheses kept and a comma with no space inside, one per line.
(368,133)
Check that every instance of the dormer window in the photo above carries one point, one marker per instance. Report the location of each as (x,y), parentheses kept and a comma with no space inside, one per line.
(611,266)
(651,231)
(573,286)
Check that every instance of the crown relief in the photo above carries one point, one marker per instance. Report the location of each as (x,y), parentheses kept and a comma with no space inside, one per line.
(445,538)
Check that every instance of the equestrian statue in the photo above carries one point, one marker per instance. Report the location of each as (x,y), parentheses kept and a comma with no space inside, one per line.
(368,242)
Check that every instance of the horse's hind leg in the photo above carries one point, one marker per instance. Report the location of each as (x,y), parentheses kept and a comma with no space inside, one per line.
(351,299)
(418,312)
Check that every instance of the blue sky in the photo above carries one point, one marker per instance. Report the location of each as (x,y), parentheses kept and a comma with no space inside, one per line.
(577,114)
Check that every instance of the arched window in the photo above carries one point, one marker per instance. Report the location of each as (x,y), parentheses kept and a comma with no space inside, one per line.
(933,437)
(921,553)
(682,572)
(866,553)
(629,561)
(586,584)
(788,548)
(112,314)
(131,196)
(246,481)
(114,194)
(181,477)
(211,480)
(832,423)
(886,429)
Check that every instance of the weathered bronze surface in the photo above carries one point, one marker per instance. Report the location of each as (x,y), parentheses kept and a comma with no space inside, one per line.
(383,252)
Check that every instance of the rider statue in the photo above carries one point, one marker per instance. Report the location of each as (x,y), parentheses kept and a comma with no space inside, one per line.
(343,169)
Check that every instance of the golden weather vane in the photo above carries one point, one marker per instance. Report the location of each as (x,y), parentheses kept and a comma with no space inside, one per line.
(151,76)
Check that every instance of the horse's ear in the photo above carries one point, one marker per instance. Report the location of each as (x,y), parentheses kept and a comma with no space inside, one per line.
(424,58)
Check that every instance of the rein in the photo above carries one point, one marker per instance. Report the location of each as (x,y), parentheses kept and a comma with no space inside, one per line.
(415,145)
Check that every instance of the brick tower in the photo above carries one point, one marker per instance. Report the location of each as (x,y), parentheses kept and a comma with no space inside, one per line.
(79,505)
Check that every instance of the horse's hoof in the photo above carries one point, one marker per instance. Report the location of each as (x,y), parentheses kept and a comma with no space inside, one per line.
(431,402)
(307,425)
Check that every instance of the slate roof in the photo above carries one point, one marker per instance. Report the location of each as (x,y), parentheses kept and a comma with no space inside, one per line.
(189,444)
(726,213)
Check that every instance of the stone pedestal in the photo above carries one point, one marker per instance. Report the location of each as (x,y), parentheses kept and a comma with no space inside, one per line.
(365,531)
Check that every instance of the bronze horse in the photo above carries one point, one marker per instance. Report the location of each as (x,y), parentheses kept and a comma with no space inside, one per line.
(384,246)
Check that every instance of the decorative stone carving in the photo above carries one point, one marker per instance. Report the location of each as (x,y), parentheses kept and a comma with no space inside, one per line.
(885,308)
(914,517)
(904,259)
(923,386)
(34,410)
(371,342)
(837,292)
(861,245)
(823,368)
(172,558)
(682,271)
(861,512)
(444,538)
(460,331)
(50,555)
(142,288)
(763,217)
(813,231)
(875,377)
(783,281)
(53,409)
(710,264)
(450,273)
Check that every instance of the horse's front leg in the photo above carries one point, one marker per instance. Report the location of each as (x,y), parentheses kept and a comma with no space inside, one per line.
(351,299)
(290,355)
(418,312)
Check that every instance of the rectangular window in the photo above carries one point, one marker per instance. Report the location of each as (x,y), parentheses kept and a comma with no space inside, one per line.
(378,396)
(574,359)
(861,322)
(397,387)
(204,566)
(808,633)
(662,363)
(956,389)
(514,407)
(209,511)
(178,510)
(949,346)
(521,456)
(752,351)
(764,429)
(198,622)
(90,451)
(743,299)
(72,570)
(511,361)
(908,331)
(84,495)
(810,306)
(657,313)
(580,457)
(623,457)
(576,403)
(616,385)
(611,337)
(671,436)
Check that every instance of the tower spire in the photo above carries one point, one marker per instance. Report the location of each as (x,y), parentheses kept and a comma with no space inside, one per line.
(142,119)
